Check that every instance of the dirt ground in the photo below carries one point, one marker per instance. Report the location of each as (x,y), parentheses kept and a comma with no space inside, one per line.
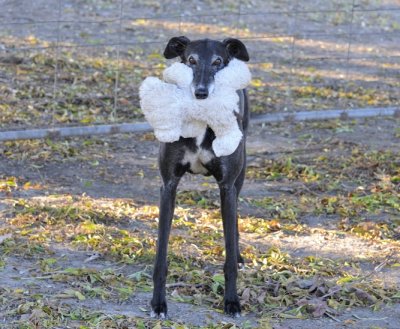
(53,193)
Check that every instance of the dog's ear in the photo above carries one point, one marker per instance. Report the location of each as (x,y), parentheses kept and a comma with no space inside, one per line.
(175,47)
(236,49)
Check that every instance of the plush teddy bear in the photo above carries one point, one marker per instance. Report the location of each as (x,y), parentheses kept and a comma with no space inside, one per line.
(173,111)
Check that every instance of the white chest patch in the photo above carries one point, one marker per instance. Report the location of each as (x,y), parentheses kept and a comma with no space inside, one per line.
(198,159)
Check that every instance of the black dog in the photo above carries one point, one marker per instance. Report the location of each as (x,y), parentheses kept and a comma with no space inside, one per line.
(195,155)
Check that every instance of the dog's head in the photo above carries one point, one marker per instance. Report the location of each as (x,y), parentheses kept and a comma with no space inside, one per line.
(205,57)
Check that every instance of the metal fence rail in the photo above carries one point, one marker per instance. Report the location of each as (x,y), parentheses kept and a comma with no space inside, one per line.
(139,127)
(70,63)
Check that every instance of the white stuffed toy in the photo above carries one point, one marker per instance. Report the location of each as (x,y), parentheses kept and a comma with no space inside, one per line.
(173,111)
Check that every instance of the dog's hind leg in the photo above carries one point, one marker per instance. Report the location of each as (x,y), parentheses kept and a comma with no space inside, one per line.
(238,185)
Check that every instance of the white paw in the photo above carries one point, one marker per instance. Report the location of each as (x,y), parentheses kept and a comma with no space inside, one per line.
(161,316)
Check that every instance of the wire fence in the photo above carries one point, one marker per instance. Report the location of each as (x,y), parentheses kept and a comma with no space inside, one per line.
(78,63)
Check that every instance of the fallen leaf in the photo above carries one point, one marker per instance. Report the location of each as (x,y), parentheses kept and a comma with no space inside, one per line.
(92,257)
(364,296)
(246,295)
(316,306)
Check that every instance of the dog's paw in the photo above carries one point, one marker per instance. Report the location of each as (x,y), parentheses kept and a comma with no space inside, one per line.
(232,308)
(160,316)
(241,262)
(159,310)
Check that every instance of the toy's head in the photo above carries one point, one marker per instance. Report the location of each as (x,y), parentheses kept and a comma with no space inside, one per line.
(205,57)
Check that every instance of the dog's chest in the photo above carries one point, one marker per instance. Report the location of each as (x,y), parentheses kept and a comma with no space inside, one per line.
(198,159)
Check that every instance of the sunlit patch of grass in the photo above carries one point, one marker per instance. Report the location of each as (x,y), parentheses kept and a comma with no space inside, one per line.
(11,183)
(259,225)
(118,244)
(358,94)
(85,225)
(7,184)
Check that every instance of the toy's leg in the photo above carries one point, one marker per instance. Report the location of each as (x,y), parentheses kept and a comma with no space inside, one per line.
(227,142)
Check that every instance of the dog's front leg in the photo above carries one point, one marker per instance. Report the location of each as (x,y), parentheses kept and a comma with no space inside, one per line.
(167,205)
(229,218)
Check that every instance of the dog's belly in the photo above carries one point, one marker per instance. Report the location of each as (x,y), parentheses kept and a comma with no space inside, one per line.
(197,160)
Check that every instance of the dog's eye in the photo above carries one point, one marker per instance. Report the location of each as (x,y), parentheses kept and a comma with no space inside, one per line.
(217,62)
(192,60)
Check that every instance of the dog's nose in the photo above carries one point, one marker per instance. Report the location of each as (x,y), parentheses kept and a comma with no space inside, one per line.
(201,93)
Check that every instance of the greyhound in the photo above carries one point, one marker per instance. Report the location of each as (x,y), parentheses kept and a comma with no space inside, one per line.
(195,155)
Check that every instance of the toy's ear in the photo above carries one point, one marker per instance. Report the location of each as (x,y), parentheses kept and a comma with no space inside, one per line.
(175,47)
(236,49)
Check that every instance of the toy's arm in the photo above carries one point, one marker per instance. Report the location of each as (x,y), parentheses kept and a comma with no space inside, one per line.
(236,76)
(160,104)
(178,74)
